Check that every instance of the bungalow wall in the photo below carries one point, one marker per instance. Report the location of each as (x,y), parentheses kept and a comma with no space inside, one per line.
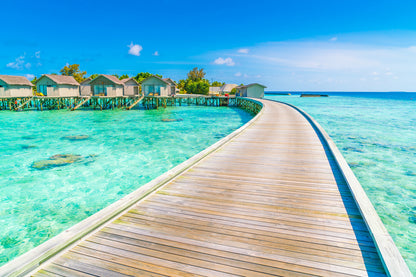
(255,91)
(85,90)
(131,88)
(14,90)
(154,86)
(243,92)
(101,86)
(49,88)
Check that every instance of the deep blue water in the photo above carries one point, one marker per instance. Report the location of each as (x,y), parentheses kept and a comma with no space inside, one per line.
(382,95)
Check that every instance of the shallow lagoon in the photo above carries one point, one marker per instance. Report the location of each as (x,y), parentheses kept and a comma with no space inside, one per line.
(118,151)
(376,133)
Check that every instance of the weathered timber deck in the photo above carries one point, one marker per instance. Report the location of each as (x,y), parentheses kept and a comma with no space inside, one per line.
(270,202)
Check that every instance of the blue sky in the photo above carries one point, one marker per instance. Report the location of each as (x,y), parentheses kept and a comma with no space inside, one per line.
(286,45)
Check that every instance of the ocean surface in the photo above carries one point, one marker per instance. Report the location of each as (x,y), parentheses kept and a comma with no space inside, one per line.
(376,133)
(59,167)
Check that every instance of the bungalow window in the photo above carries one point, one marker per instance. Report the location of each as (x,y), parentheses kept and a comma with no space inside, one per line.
(157,89)
(152,89)
(100,90)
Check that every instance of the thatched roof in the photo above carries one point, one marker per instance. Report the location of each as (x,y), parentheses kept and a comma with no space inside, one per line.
(15,80)
(169,80)
(228,87)
(154,76)
(60,79)
(249,85)
(86,81)
(214,89)
(128,79)
(112,78)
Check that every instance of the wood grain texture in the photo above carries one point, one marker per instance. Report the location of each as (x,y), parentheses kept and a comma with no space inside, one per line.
(271,202)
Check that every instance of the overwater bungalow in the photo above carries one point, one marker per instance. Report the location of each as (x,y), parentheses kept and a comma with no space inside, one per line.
(156,86)
(227,88)
(57,85)
(15,86)
(254,90)
(131,87)
(85,87)
(107,85)
(214,90)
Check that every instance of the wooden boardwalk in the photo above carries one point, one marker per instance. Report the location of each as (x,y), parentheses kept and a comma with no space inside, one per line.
(271,202)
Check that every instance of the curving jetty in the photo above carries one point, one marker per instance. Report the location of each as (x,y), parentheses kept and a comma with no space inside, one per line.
(273,198)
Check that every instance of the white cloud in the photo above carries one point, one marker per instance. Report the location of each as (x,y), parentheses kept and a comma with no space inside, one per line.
(243,50)
(333,39)
(135,49)
(25,61)
(226,61)
(156,53)
(30,76)
(238,74)
(412,48)
(18,64)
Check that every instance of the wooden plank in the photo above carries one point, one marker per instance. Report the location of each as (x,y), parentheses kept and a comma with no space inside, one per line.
(267,232)
(82,102)
(136,252)
(190,250)
(98,266)
(292,245)
(237,240)
(57,270)
(248,214)
(237,246)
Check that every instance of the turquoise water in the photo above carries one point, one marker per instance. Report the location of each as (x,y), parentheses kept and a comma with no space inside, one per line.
(376,134)
(119,152)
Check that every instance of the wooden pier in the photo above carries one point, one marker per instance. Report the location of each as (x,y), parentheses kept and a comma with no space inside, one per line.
(271,199)
(42,103)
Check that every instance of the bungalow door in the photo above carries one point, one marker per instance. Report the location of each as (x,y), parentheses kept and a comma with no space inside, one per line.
(43,90)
